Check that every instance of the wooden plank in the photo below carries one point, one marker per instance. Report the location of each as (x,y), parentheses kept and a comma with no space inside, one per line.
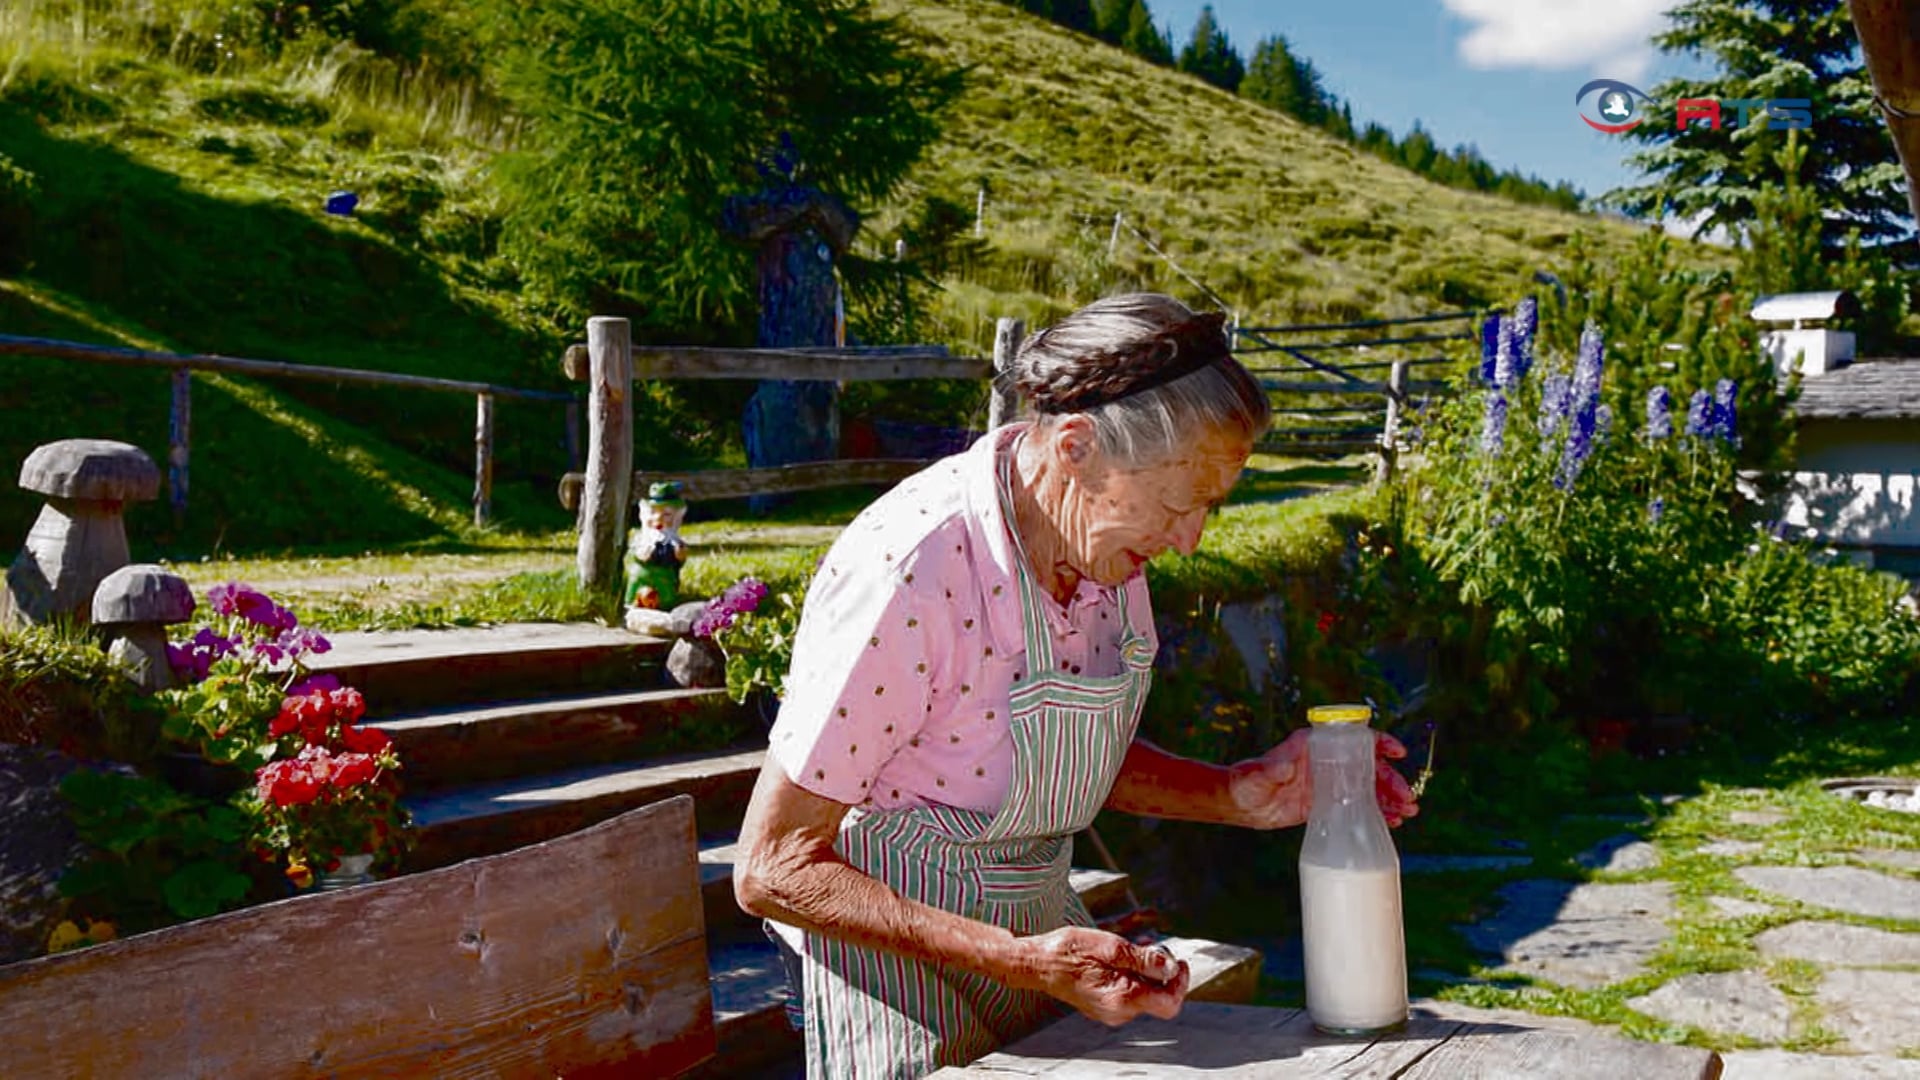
(1295,386)
(1491,1049)
(1405,320)
(708,484)
(582,957)
(836,365)
(483,459)
(1211,1041)
(179,442)
(605,487)
(1003,402)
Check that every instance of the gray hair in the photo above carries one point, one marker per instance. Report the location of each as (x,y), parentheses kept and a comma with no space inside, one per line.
(1121,340)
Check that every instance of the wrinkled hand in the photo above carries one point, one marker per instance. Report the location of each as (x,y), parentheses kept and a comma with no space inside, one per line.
(1106,977)
(1275,790)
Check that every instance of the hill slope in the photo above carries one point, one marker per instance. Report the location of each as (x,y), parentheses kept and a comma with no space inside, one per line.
(176,202)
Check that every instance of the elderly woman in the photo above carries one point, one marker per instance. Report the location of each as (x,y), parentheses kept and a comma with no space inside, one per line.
(966,681)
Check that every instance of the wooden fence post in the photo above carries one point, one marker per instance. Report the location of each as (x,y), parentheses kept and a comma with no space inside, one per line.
(1390,431)
(483,459)
(609,481)
(179,442)
(1005,400)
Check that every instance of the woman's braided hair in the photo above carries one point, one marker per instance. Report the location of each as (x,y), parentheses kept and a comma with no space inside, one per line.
(1105,375)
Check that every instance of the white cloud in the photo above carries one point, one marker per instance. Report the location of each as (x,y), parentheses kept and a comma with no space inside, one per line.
(1604,37)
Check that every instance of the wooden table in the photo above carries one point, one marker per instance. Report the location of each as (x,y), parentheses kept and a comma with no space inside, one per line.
(1240,1042)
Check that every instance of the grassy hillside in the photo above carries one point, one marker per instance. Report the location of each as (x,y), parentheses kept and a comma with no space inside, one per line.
(157,189)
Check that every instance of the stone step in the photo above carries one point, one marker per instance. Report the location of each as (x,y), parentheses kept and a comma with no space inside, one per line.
(466,744)
(402,670)
(472,820)
(755,1039)
(1104,892)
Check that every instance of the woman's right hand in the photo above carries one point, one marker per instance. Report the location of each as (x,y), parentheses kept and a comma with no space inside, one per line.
(1105,976)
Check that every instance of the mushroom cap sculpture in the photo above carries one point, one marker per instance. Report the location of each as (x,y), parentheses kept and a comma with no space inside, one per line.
(91,470)
(79,537)
(136,604)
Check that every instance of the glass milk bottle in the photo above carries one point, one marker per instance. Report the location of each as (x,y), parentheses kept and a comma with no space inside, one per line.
(1356,956)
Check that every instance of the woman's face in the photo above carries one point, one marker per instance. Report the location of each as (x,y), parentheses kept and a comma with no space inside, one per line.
(1126,516)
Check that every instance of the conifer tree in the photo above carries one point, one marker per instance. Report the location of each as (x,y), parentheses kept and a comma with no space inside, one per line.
(1209,54)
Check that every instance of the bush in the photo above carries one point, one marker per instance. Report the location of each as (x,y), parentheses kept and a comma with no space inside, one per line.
(1571,561)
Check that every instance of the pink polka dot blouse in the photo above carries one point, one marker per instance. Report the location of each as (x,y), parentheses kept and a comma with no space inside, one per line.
(911,639)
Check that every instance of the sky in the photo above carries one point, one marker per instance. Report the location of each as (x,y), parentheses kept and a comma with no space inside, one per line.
(1497,74)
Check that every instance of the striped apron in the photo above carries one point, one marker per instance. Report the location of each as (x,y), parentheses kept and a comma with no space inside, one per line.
(873,1015)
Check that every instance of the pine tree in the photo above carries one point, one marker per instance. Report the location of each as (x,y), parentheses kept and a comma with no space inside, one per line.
(1145,39)
(1110,19)
(1210,56)
(1287,83)
(1768,49)
(1074,15)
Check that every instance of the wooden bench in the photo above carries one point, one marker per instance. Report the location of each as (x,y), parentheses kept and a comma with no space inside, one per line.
(1242,1042)
(581,957)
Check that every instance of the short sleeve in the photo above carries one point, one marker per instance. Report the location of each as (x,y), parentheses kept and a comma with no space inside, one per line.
(858,688)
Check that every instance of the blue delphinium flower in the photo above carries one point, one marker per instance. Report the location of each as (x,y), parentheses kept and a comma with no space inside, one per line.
(1489,346)
(1493,432)
(1655,508)
(1526,317)
(1603,423)
(1584,408)
(1699,415)
(1556,394)
(1659,414)
(1504,375)
(1725,420)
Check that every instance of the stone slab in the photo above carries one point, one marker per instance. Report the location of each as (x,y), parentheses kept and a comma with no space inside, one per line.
(1842,888)
(1730,1003)
(1585,936)
(1841,945)
(1735,908)
(1756,818)
(1874,1011)
(1621,854)
(1898,859)
(1731,849)
(1781,1065)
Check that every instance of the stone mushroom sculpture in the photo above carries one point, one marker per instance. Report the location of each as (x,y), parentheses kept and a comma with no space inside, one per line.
(135,605)
(79,537)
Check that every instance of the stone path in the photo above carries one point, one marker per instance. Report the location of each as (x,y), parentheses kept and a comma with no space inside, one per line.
(1859,926)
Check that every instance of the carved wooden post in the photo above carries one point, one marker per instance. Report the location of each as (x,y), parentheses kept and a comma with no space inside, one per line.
(800,232)
(1005,401)
(603,503)
(483,459)
(1390,431)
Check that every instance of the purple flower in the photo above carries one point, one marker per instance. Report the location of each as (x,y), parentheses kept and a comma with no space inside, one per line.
(1699,415)
(1555,396)
(1504,375)
(195,660)
(1724,419)
(1494,431)
(300,641)
(1584,408)
(1603,423)
(1489,346)
(325,682)
(740,598)
(1659,414)
(256,607)
(1526,318)
(1655,508)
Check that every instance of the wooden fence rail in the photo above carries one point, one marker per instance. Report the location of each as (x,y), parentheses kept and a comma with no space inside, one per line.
(179,416)
(609,363)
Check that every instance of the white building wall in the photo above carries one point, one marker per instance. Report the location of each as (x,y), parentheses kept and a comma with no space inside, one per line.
(1856,482)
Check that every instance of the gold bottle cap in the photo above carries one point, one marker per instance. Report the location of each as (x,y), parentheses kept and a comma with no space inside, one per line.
(1340,714)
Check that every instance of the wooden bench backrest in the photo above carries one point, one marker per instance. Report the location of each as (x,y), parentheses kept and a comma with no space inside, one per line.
(583,956)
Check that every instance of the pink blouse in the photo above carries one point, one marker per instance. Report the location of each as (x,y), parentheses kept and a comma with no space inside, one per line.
(911,639)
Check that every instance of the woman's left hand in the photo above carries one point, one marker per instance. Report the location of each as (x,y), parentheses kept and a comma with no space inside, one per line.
(1275,790)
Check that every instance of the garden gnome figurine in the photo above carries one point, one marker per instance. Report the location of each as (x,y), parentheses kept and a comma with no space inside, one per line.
(655,551)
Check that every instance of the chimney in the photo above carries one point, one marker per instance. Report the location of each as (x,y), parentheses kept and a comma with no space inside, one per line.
(1796,334)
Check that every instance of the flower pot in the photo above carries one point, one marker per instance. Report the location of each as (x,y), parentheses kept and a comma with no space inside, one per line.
(353,870)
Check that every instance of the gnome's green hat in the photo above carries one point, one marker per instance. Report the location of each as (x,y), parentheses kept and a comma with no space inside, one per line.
(666,492)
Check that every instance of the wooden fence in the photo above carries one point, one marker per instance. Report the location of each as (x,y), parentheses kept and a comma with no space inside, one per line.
(610,364)
(1293,360)
(180,414)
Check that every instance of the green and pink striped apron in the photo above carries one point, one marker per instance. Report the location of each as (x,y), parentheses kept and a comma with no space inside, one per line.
(873,1015)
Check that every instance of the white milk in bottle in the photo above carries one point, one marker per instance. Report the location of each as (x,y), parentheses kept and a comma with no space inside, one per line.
(1356,957)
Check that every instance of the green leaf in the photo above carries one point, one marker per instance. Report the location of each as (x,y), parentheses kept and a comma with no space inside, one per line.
(203,888)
